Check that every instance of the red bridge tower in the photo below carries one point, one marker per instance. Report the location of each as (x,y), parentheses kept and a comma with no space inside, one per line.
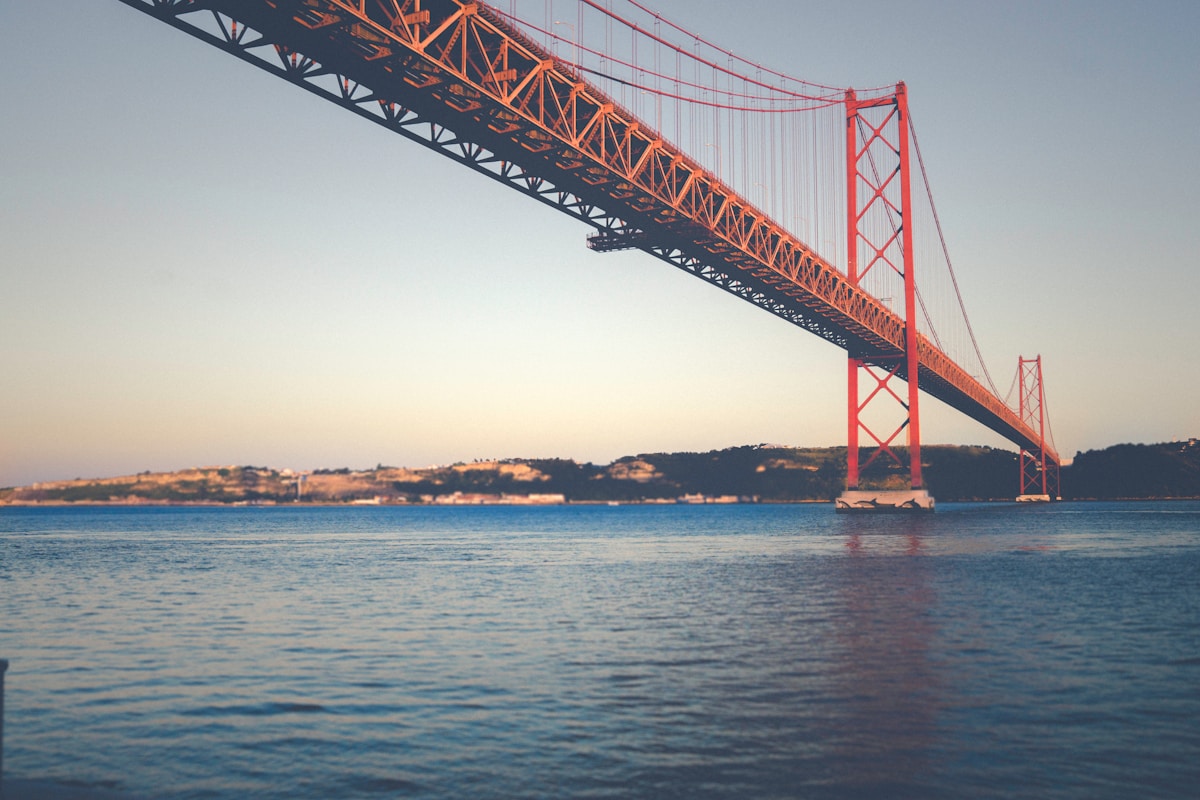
(880,237)
(1039,474)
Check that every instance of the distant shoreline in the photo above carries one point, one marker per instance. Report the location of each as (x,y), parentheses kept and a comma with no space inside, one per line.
(348,504)
(576,503)
(748,474)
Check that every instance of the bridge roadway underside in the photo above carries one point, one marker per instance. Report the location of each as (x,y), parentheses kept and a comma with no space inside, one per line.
(363,58)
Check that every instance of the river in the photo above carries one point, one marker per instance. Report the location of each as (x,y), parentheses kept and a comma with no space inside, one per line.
(773,651)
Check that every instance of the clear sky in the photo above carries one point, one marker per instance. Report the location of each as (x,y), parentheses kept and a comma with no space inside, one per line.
(203,265)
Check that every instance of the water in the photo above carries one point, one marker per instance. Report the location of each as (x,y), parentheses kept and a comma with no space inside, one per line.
(595,652)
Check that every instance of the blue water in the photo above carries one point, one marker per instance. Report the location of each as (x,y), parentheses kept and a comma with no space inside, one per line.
(601,652)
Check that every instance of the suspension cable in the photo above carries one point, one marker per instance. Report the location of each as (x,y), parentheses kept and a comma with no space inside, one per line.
(815,103)
(946,252)
(734,55)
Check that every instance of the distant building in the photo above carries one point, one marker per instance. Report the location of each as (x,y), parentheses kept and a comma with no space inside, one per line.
(479,499)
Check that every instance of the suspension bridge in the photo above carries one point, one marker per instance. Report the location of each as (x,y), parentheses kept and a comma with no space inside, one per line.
(809,201)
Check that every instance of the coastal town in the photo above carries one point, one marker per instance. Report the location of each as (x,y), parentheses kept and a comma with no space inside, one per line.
(499,483)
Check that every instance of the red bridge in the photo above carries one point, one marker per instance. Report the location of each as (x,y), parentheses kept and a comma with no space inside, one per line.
(564,119)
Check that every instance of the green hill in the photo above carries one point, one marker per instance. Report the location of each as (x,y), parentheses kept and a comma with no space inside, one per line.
(1126,471)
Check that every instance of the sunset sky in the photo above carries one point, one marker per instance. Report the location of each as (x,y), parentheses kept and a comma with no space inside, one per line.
(204,265)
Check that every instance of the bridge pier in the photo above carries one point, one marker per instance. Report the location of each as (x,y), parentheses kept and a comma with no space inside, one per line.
(884,500)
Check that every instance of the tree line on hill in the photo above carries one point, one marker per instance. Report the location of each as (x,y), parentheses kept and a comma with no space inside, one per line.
(785,474)
(1135,471)
(759,473)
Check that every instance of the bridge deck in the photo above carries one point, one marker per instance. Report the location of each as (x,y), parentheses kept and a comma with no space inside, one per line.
(455,77)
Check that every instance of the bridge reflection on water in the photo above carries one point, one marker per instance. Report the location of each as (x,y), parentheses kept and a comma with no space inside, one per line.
(892,689)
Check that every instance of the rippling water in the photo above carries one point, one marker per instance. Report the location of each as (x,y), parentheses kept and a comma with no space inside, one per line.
(628,652)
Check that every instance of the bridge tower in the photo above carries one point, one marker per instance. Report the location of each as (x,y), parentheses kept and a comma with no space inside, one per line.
(1039,474)
(880,238)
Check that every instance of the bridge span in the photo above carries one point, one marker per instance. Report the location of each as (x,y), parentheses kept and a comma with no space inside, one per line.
(462,79)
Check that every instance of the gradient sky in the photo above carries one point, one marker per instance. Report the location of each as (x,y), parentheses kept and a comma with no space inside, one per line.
(203,265)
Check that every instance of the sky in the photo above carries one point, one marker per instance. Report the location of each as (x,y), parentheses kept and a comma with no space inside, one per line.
(203,265)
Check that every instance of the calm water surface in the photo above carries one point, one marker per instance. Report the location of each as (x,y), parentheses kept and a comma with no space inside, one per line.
(628,652)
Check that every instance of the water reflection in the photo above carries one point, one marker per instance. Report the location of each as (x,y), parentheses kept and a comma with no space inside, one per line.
(889,688)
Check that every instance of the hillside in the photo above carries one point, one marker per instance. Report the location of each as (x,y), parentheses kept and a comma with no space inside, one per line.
(1135,471)
(761,473)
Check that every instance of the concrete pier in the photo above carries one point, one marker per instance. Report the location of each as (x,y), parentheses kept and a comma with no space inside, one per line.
(867,500)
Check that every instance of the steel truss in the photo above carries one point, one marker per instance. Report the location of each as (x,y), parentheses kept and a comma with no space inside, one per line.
(452,76)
